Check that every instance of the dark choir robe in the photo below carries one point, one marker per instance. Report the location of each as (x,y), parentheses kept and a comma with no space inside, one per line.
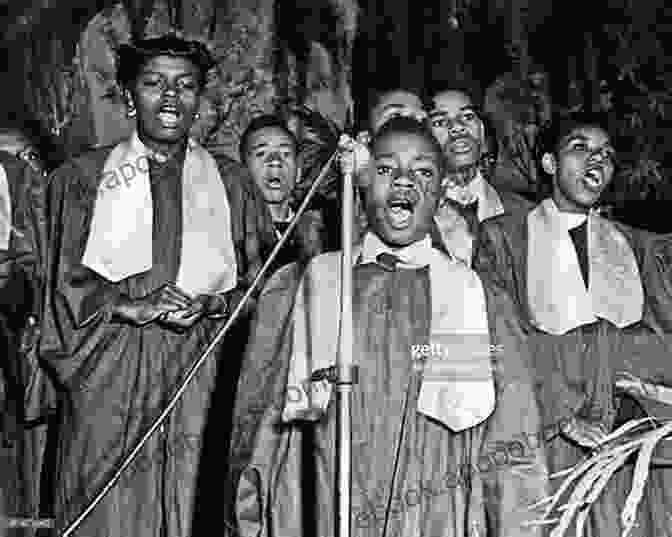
(576,371)
(26,394)
(116,378)
(474,483)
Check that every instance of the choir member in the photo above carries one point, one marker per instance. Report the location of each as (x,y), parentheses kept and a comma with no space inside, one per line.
(468,197)
(152,243)
(596,302)
(270,151)
(26,393)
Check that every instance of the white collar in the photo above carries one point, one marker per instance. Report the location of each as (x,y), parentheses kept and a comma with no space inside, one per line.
(565,219)
(287,219)
(478,189)
(417,254)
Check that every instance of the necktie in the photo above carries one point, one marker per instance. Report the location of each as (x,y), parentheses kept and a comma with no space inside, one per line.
(281,227)
(470,214)
(388,261)
(579,236)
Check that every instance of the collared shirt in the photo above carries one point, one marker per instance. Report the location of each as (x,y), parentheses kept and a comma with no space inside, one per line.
(478,189)
(286,220)
(416,255)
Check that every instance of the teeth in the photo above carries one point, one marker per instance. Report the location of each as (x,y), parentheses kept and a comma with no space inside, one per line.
(399,216)
(169,119)
(460,145)
(594,177)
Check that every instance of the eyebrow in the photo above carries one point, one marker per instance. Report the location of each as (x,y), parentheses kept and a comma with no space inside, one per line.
(259,145)
(583,138)
(436,112)
(183,74)
(422,156)
(393,106)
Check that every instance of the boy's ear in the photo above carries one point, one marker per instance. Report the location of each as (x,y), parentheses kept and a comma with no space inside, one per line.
(128,98)
(549,164)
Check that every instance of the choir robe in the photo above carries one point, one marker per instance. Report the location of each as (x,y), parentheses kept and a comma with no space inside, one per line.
(26,393)
(476,482)
(116,378)
(576,371)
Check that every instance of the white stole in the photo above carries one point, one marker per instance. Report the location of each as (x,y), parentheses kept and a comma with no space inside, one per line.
(5,210)
(457,386)
(557,294)
(120,240)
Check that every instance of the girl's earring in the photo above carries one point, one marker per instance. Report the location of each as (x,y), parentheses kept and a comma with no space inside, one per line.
(131,111)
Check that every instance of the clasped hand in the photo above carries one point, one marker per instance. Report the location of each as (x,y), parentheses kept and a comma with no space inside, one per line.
(172,307)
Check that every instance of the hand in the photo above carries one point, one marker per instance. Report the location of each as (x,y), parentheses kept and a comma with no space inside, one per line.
(354,155)
(166,299)
(182,319)
(635,386)
(583,432)
(214,306)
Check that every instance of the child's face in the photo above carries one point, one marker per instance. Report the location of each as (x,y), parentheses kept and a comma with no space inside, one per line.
(402,196)
(582,169)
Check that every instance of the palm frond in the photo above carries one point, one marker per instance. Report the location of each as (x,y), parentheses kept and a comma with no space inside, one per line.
(586,481)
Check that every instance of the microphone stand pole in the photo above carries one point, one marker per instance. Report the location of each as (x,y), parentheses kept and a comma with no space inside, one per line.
(346,372)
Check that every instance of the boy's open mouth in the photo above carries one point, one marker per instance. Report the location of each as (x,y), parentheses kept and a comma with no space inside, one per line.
(400,209)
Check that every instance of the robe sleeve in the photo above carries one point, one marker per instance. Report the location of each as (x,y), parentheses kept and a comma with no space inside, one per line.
(519,476)
(648,346)
(21,273)
(21,287)
(655,252)
(78,302)
(258,439)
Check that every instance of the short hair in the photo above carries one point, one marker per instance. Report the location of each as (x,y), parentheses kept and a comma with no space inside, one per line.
(263,122)
(465,86)
(553,135)
(379,94)
(131,58)
(409,125)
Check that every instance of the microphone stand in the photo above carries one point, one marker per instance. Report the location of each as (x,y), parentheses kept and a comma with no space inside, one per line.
(196,365)
(346,371)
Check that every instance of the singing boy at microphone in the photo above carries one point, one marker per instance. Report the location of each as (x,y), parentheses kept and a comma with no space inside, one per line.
(425,427)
